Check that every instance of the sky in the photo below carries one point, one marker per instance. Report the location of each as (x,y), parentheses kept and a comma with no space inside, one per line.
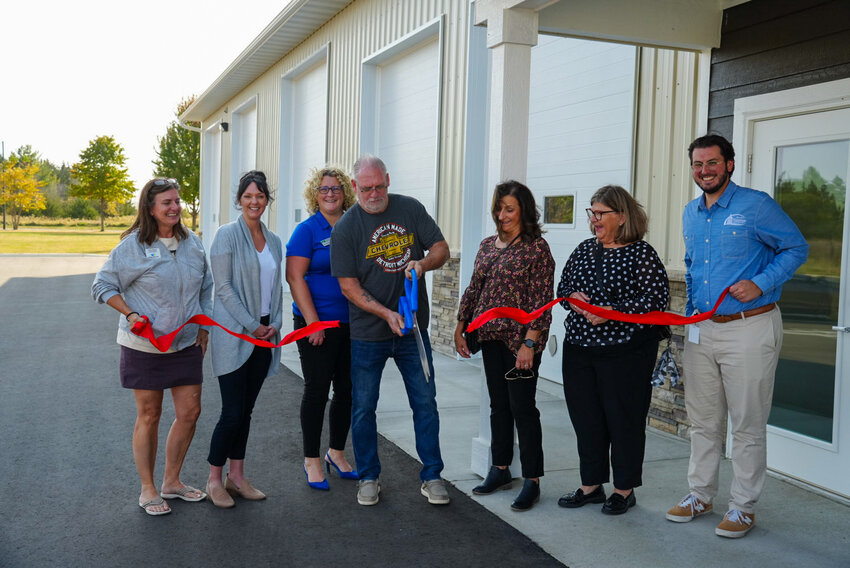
(73,71)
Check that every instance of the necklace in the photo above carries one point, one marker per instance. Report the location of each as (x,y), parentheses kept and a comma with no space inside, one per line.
(507,246)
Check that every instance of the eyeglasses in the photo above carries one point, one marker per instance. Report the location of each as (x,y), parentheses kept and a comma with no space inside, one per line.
(515,374)
(591,214)
(332,189)
(711,164)
(169,181)
(379,187)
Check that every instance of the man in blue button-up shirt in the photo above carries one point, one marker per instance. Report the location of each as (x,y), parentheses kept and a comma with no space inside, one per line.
(741,238)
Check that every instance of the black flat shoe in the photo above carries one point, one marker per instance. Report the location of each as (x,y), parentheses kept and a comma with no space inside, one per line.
(496,479)
(529,495)
(617,504)
(578,499)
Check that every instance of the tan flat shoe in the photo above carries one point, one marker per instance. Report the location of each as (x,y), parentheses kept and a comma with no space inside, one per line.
(247,491)
(219,496)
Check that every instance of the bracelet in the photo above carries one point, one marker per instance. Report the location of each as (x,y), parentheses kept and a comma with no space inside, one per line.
(131,313)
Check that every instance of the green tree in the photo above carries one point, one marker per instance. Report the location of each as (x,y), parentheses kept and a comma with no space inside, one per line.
(179,157)
(101,175)
(20,189)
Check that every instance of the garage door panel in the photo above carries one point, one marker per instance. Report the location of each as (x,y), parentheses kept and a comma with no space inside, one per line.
(406,121)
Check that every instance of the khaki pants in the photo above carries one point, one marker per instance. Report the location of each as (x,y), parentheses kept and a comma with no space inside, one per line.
(731,369)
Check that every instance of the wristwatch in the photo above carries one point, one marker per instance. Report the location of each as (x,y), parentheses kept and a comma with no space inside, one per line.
(530,343)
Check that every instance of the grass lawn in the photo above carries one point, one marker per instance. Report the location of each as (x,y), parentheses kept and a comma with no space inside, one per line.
(58,240)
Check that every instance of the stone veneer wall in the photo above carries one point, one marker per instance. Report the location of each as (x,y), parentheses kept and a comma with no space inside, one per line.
(667,409)
(445,297)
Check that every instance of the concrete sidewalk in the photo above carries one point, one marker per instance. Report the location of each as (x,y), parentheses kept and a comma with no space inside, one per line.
(794,527)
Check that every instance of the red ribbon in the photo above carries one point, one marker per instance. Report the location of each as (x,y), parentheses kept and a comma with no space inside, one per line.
(144,329)
(654,318)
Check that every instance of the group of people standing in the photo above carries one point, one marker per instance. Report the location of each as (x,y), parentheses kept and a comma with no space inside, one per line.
(158,275)
(752,247)
(349,262)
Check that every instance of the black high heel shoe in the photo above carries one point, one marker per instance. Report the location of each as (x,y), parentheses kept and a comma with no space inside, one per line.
(529,495)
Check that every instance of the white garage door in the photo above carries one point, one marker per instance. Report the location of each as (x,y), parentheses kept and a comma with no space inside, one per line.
(406,121)
(243,150)
(211,185)
(580,138)
(303,141)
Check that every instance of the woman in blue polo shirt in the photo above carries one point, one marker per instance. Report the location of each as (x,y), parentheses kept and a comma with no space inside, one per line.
(325,355)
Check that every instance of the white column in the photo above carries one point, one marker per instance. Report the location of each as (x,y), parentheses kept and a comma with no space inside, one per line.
(511,33)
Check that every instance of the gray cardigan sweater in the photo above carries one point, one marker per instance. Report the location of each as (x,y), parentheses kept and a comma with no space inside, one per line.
(168,289)
(236,272)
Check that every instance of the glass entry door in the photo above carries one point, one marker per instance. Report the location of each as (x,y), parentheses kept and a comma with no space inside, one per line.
(804,161)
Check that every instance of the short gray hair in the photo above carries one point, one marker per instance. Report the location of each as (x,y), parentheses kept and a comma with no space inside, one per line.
(368,161)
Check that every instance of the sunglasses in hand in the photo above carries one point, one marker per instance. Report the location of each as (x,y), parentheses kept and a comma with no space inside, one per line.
(515,374)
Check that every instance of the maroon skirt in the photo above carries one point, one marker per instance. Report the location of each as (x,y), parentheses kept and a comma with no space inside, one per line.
(160,371)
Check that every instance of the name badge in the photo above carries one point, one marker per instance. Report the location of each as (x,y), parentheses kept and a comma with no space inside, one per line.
(325,242)
(693,334)
(152,253)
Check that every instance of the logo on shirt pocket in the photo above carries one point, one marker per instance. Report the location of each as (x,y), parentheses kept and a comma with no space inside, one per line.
(735,219)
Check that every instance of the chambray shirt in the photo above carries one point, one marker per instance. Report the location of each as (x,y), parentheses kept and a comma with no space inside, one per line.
(744,236)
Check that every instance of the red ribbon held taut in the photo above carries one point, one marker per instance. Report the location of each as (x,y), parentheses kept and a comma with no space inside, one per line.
(144,329)
(652,318)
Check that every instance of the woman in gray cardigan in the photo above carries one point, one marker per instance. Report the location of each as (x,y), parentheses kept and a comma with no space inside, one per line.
(159,270)
(245,258)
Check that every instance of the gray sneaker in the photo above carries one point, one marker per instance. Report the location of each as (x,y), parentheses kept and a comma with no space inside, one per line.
(368,491)
(436,492)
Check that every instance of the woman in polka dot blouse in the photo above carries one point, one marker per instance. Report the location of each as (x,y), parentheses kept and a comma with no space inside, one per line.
(607,364)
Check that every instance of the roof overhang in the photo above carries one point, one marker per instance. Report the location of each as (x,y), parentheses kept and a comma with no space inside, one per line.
(298,21)
(676,24)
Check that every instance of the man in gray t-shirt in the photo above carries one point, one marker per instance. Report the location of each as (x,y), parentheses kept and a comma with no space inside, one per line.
(374,247)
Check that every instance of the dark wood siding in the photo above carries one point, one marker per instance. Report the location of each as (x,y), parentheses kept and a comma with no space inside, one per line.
(773,45)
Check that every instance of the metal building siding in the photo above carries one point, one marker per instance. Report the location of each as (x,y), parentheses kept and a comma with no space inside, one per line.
(667,123)
(361,29)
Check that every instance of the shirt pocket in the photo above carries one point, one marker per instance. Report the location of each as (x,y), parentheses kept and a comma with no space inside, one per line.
(194,272)
(734,243)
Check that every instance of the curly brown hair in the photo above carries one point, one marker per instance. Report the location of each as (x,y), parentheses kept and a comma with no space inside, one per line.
(312,184)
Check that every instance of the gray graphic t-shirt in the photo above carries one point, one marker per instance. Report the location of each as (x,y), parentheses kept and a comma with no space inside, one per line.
(375,249)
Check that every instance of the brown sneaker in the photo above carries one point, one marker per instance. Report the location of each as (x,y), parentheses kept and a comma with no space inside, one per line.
(687,509)
(735,524)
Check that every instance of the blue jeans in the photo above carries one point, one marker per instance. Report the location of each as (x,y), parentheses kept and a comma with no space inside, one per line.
(368,359)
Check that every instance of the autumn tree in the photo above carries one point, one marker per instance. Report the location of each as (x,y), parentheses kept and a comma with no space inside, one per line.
(101,175)
(179,157)
(20,188)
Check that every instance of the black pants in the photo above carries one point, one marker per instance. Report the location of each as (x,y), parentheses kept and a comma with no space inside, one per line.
(608,394)
(323,365)
(239,391)
(512,402)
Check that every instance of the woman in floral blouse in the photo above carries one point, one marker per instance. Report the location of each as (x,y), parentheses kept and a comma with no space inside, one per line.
(513,268)
(608,364)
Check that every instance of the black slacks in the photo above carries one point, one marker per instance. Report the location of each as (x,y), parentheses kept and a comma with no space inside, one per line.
(323,365)
(608,392)
(513,402)
(239,391)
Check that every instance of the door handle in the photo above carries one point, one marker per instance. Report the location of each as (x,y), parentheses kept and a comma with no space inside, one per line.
(844,328)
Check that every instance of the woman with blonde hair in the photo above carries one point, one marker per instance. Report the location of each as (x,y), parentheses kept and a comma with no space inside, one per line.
(325,354)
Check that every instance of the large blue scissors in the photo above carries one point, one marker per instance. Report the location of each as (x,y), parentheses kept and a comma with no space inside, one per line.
(407,307)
